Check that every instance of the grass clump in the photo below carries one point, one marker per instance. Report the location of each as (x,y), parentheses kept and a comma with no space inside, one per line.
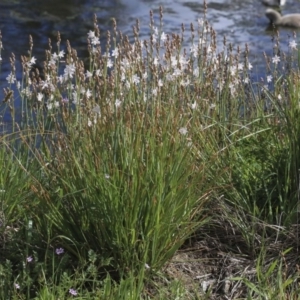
(143,151)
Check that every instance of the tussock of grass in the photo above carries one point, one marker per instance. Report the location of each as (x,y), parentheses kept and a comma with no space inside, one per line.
(146,150)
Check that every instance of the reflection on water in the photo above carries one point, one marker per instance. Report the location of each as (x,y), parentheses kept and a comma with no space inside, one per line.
(241,21)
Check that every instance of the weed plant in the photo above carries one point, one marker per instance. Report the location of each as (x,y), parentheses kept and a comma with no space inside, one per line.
(117,160)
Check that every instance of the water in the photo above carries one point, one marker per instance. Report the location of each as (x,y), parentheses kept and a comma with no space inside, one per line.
(241,21)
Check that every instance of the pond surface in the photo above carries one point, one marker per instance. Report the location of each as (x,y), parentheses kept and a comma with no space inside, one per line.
(241,21)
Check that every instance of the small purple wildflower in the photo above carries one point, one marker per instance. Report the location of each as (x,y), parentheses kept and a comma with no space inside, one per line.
(73,292)
(17,286)
(65,100)
(29,259)
(59,251)
(183,131)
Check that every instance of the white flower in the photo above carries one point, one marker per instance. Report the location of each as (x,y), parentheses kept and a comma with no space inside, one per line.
(11,78)
(250,66)
(276,59)
(154,92)
(145,75)
(107,54)
(184,82)
(232,88)
(135,79)
(44,84)
(123,77)
(40,97)
(109,63)
(196,72)
(154,35)
(183,130)
(115,52)
(264,88)
(54,57)
(49,105)
(69,71)
(60,79)
(91,34)
(95,41)
(173,61)
(220,84)
(194,49)
(293,44)
(163,37)
(246,80)
(193,105)
(75,97)
(233,70)
(52,62)
(31,62)
(209,49)
(127,84)
(26,92)
(177,72)
(61,54)
(96,109)
(169,77)
(125,63)
(183,61)
(200,22)
(118,103)
(88,93)
(269,78)
(202,41)
(88,74)
(98,72)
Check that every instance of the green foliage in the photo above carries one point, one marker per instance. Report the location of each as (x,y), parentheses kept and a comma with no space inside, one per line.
(128,192)
(264,168)
(113,166)
(271,282)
